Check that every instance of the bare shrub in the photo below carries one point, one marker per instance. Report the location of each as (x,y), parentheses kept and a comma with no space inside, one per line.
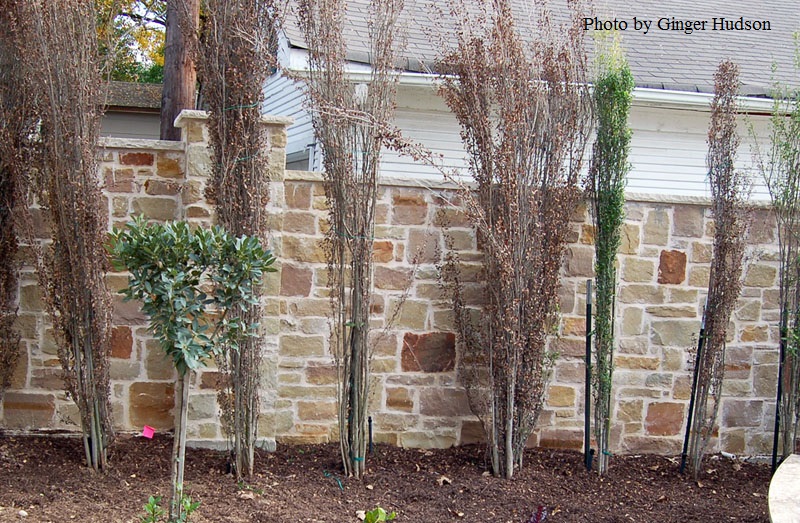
(729,192)
(62,77)
(525,114)
(349,122)
(236,57)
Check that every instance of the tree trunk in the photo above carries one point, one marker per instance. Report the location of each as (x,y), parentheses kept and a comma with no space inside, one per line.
(179,449)
(180,75)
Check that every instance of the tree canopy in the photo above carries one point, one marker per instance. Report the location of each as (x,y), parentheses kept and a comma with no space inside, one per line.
(132,33)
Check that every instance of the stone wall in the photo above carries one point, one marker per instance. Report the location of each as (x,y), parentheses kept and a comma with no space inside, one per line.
(416,397)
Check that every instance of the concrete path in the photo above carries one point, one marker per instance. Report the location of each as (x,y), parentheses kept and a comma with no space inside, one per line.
(784,492)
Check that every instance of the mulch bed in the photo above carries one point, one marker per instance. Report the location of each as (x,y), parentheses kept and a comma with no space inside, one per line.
(44,477)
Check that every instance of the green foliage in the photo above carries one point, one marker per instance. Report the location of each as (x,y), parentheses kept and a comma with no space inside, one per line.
(152,510)
(131,36)
(378,514)
(180,275)
(612,96)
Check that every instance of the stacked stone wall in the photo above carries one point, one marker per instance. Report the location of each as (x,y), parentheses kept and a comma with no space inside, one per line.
(417,399)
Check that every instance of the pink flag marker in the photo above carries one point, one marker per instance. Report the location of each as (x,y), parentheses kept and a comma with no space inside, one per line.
(148,431)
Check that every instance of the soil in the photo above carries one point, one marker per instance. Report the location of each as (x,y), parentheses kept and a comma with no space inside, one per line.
(45,478)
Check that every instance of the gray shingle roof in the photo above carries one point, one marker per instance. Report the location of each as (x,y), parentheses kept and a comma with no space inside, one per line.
(660,59)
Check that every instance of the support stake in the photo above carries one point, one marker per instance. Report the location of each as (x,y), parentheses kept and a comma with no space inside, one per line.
(587,425)
(694,391)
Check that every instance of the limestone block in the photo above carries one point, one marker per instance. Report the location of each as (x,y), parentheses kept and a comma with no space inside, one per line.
(630,410)
(659,380)
(561,438)
(408,207)
(673,311)
(754,333)
(321,374)
(429,352)
(471,433)
(151,403)
(460,240)
(759,275)
(423,246)
(156,363)
(124,370)
(202,406)
(656,227)
(733,441)
(579,262)
(310,307)
(383,251)
(297,346)
(153,208)
(560,396)
(444,402)
(672,267)
(306,392)
(168,165)
(624,361)
(412,315)
(741,413)
(637,270)
(698,276)
(30,298)
(570,372)
(28,411)
(664,418)
(426,440)
(295,280)
(672,359)
(392,278)
(675,333)
(738,362)
(316,410)
(688,221)
(651,445)
(638,293)
(303,249)
(765,380)
(399,398)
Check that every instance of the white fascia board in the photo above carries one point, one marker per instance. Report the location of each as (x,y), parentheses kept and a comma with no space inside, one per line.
(360,73)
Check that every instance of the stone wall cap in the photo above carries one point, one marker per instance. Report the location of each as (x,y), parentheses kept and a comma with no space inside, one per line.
(107,142)
(188,115)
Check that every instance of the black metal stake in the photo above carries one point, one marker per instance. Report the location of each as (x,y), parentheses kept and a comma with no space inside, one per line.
(587,425)
(371,446)
(694,391)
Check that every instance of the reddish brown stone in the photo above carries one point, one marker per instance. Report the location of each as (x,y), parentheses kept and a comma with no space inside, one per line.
(136,159)
(119,180)
(121,342)
(295,281)
(431,352)
(297,195)
(210,379)
(664,419)
(168,167)
(672,267)
(383,251)
(161,188)
(151,404)
(394,279)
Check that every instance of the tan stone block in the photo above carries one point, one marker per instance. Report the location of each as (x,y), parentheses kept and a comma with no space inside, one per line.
(321,374)
(47,379)
(23,410)
(399,398)
(672,359)
(168,165)
(570,372)
(306,392)
(561,439)
(272,423)
(569,347)
(651,445)
(27,326)
(412,314)
(303,439)
(673,311)
(153,208)
(391,278)
(579,262)
(688,221)
(702,252)
(656,227)
(426,440)
(760,276)
(303,249)
(202,406)
(438,401)
(408,207)
(754,333)
(310,307)
(295,281)
(471,433)
(19,376)
(30,298)
(736,388)
(741,413)
(572,326)
(630,411)
(632,321)
(765,380)
(154,187)
(664,419)
(316,410)
(675,333)
(748,310)
(156,363)
(649,294)
(443,320)
(299,222)
(194,132)
(423,246)
(677,295)
(636,362)
(295,346)
(698,276)
(451,218)
(637,270)
(672,267)
(732,441)
(383,365)
(291,378)
(560,396)
(460,240)
(124,370)
(151,403)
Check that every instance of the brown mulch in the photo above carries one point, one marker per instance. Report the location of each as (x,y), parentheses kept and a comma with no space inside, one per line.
(44,477)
